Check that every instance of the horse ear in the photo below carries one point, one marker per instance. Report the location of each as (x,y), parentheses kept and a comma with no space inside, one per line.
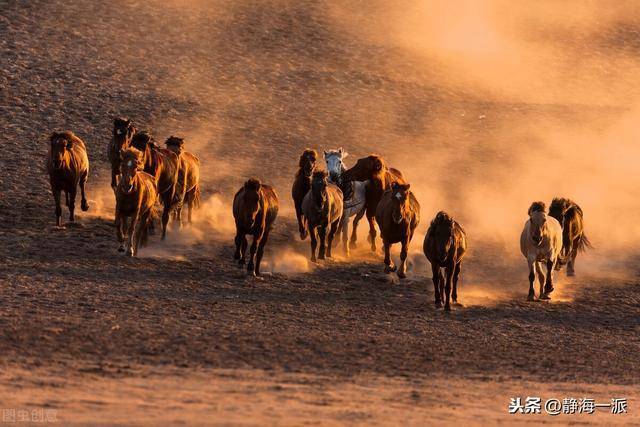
(344,154)
(325,154)
(407,187)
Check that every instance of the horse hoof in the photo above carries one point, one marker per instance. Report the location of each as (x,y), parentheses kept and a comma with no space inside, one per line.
(321,257)
(438,304)
(571,273)
(548,290)
(447,308)
(130,254)
(545,297)
(457,304)
(531,297)
(402,275)
(121,249)
(236,256)
(84,206)
(303,235)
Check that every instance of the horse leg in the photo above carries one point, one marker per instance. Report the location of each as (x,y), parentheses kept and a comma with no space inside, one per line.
(435,276)
(532,277)
(354,234)
(541,279)
(314,243)
(447,290)
(456,275)
(372,232)
(56,197)
(131,234)
(260,252)
(142,225)
(322,236)
(120,219)
(190,206)
(252,252)
(238,242)
(243,249)
(301,227)
(548,287)
(388,264)
(441,282)
(402,272)
(71,195)
(165,217)
(332,232)
(83,203)
(572,261)
(345,235)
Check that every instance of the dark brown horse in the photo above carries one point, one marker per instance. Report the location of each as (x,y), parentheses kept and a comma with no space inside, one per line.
(188,184)
(398,215)
(123,132)
(570,217)
(322,208)
(302,185)
(255,208)
(68,167)
(163,165)
(444,246)
(374,169)
(135,199)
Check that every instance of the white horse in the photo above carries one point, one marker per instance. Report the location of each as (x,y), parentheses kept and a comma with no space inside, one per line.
(353,191)
(541,242)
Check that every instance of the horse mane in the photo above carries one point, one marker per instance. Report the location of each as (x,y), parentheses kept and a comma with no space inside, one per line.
(253,184)
(319,174)
(134,154)
(442,218)
(121,121)
(141,140)
(567,206)
(174,141)
(537,207)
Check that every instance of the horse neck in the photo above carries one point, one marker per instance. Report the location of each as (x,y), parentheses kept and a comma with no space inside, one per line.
(319,196)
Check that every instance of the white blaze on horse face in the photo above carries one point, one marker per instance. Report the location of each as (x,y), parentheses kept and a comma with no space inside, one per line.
(130,163)
(118,132)
(399,196)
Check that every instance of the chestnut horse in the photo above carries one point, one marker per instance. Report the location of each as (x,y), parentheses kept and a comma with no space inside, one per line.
(255,208)
(398,215)
(444,246)
(322,208)
(123,132)
(302,185)
(163,165)
(374,169)
(188,184)
(541,242)
(570,217)
(135,199)
(68,167)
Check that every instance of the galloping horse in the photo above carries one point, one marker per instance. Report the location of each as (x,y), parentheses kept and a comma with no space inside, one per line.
(570,217)
(68,167)
(444,246)
(163,165)
(373,169)
(322,209)
(541,242)
(255,208)
(354,194)
(188,183)
(135,198)
(398,215)
(123,132)
(302,185)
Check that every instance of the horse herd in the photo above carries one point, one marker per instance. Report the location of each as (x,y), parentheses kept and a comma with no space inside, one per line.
(142,173)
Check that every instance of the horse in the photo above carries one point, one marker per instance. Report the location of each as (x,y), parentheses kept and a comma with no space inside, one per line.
(570,217)
(373,169)
(68,168)
(444,246)
(135,198)
(541,242)
(302,185)
(188,183)
(255,208)
(398,215)
(322,208)
(353,192)
(123,131)
(163,165)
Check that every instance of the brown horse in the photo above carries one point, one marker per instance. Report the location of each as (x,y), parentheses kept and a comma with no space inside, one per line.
(444,246)
(398,215)
(374,169)
(570,217)
(123,132)
(322,208)
(163,165)
(302,185)
(135,198)
(188,184)
(255,208)
(68,167)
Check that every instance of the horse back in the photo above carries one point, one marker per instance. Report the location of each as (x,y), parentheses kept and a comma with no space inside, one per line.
(270,203)
(336,202)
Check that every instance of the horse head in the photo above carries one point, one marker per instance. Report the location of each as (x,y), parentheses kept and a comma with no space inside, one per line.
(131,163)
(143,142)
(366,168)
(307,162)
(251,201)
(61,143)
(538,221)
(400,201)
(335,165)
(175,144)
(123,132)
(442,229)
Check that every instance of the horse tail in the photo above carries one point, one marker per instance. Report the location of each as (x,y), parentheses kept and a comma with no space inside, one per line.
(584,243)
(196,198)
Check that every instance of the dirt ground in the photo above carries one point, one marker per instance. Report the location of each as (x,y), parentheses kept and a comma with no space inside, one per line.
(181,335)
